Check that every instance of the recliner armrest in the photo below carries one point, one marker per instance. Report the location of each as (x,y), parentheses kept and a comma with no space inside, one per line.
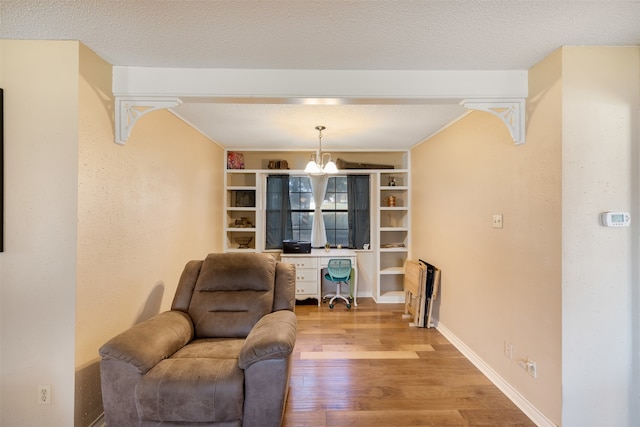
(147,343)
(272,337)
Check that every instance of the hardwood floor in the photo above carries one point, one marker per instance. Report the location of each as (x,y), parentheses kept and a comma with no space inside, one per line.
(367,367)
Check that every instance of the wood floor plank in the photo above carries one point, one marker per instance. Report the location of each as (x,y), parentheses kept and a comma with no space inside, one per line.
(377,347)
(351,368)
(342,355)
(395,418)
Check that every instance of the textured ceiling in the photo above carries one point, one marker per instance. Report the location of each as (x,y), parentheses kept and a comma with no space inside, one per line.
(324,34)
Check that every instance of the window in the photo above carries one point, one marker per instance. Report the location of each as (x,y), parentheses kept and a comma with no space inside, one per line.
(299,207)
(301,198)
(334,209)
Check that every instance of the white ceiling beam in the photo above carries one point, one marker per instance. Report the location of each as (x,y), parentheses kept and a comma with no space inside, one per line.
(439,85)
(154,86)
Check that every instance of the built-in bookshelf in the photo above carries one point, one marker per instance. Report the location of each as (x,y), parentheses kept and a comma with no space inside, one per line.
(241,210)
(390,209)
(393,234)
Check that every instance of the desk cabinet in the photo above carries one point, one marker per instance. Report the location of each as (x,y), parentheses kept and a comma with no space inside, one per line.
(309,271)
(306,276)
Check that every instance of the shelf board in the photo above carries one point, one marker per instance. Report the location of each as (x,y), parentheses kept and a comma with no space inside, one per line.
(405,249)
(242,229)
(393,171)
(394,208)
(391,297)
(393,187)
(392,270)
(241,188)
(394,228)
(241,208)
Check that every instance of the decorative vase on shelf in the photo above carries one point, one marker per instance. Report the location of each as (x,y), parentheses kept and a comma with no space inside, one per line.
(327,246)
(243,242)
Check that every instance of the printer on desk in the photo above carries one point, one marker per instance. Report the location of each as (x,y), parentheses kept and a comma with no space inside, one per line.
(296,247)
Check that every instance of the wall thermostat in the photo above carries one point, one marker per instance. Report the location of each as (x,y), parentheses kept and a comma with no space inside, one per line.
(615,219)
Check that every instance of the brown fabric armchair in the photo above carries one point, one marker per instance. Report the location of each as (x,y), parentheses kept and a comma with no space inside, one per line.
(220,357)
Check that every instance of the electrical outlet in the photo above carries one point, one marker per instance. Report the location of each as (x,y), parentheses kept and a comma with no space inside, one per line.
(497,221)
(530,366)
(532,369)
(508,350)
(44,394)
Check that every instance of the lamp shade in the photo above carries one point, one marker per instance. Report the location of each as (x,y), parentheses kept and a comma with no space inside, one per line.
(330,167)
(312,167)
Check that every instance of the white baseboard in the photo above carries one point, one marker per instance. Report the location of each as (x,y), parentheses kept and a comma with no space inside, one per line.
(525,406)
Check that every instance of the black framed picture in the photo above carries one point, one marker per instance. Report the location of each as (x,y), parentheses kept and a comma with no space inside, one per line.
(245,199)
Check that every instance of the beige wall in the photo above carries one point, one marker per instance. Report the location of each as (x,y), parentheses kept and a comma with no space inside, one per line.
(499,284)
(97,233)
(38,267)
(144,210)
(600,149)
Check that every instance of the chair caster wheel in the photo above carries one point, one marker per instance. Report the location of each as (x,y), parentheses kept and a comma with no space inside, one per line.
(348,305)
(331,306)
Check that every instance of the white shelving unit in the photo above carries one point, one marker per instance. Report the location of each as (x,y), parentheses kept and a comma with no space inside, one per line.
(392,218)
(242,219)
(390,225)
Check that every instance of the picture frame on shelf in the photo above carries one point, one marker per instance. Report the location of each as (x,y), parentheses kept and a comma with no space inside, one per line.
(235,160)
(245,199)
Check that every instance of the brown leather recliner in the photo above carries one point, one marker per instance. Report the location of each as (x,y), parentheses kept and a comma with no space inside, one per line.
(220,357)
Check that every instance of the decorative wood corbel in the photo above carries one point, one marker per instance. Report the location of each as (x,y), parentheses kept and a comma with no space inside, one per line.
(129,110)
(510,111)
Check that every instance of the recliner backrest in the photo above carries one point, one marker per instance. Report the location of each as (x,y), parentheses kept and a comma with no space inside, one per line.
(231,293)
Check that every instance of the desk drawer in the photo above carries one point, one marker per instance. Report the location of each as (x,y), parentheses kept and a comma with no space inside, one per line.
(301,262)
(306,275)
(307,288)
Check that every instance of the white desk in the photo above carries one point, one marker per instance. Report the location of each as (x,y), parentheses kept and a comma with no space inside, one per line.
(309,271)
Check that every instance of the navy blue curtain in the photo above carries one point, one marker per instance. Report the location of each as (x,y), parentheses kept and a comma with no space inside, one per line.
(359,210)
(278,213)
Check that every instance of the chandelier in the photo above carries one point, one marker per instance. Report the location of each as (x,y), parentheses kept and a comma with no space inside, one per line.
(316,165)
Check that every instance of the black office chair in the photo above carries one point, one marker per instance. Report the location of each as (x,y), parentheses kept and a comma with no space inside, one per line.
(338,271)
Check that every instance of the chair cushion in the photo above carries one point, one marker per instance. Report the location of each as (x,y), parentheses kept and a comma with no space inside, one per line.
(192,390)
(232,293)
(212,348)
